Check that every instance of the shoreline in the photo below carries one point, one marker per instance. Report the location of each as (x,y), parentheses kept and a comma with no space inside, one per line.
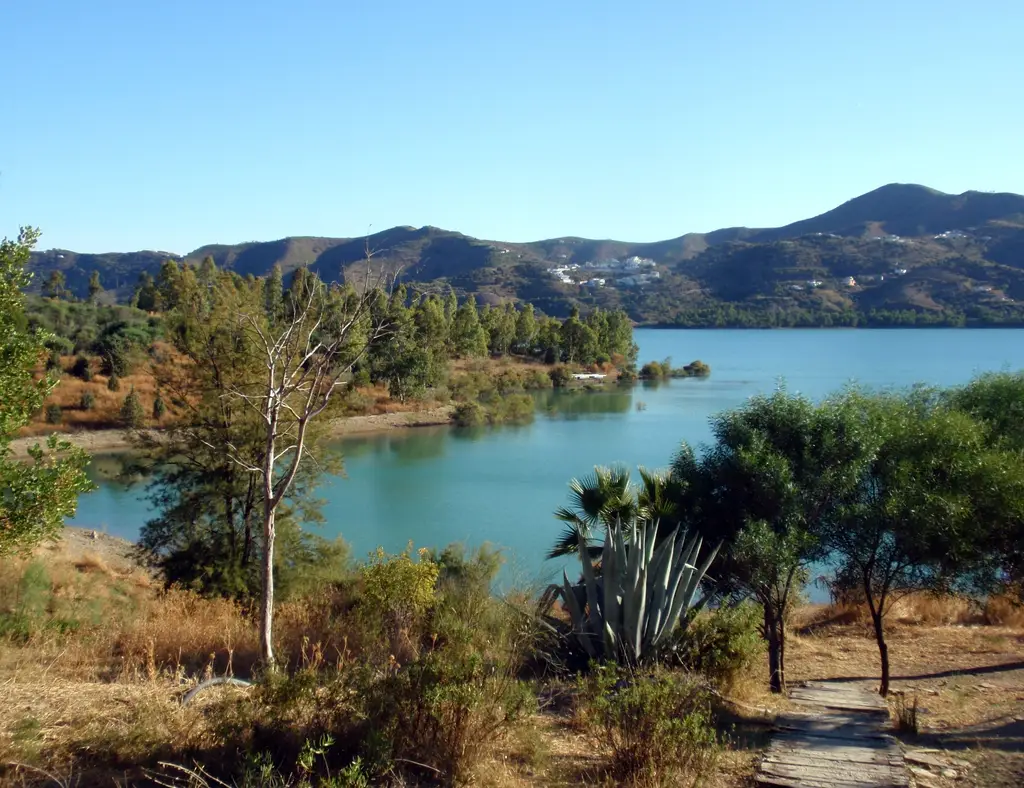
(110,441)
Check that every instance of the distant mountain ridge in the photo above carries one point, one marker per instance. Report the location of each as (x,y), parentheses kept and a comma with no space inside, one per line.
(694,263)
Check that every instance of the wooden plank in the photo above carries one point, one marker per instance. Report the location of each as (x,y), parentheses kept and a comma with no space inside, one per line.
(840,745)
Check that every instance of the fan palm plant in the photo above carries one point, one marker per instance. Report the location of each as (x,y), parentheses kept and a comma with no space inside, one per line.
(608,496)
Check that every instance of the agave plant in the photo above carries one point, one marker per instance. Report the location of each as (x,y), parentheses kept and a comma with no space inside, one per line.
(645,585)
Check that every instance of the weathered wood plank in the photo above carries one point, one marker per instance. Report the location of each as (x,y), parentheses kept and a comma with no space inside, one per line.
(840,744)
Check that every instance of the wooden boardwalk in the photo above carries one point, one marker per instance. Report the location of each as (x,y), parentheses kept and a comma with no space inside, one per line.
(836,740)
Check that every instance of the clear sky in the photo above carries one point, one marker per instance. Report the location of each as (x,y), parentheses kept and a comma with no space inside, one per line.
(131,124)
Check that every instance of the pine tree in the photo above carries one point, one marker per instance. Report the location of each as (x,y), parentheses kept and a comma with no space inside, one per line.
(95,288)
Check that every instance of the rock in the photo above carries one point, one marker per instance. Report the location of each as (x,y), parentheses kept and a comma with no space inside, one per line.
(924,759)
(949,774)
(922,777)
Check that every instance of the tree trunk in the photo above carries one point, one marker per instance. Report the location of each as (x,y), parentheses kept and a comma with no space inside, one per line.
(883,652)
(773,634)
(267,604)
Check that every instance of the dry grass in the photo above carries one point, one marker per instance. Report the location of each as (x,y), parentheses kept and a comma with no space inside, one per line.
(107,694)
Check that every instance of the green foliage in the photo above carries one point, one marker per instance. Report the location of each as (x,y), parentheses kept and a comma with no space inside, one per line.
(397,592)
(113,382)
(159,408)
(655,370)
(628,612)
(54,414)
(95,287)
(560,377)
(35,496)
(469,414)
(132,414)
(82,369)
(53,362)
(658,726)
(723,644)
(87,401)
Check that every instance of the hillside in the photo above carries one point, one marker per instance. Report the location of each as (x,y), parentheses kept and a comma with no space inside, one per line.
(934,257)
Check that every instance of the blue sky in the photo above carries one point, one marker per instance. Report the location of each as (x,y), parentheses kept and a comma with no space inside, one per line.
(161,125)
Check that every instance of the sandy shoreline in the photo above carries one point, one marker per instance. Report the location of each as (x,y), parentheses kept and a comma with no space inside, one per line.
(103,441)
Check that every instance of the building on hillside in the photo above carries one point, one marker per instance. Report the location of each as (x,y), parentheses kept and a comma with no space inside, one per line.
(850,281)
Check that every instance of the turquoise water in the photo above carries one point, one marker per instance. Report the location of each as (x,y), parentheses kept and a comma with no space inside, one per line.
(439,485)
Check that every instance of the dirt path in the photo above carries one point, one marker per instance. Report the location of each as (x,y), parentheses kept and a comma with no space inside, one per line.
(109,441)
(835,740)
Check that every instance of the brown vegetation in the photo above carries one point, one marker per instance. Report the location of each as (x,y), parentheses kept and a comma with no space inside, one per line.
(93,692)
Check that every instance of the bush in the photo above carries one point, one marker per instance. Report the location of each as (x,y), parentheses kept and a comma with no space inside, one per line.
(113,383)
(54,414)
(469,414)
(81,369)
(159,408)
(658,726)
(442,711)
(53,362)
(132,414)
(723,644)
(87,400)
(560,376)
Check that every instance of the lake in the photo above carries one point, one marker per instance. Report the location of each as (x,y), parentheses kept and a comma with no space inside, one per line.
(500,485)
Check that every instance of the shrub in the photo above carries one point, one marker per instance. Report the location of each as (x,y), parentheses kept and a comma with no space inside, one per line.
(442,711)
(560,376)
(657,726)
(87,400)
(469,414)
(81,369)
(397,592)
(54,414)
(653,370)
(114,383)
(53,363)
(132,414)
(723,644)
(159,408)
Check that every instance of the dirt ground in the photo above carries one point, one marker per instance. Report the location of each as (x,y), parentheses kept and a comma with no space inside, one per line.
(967,679)
(968,682)
(104,441)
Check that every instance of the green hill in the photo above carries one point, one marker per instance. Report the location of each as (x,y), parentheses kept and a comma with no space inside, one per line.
(910,249)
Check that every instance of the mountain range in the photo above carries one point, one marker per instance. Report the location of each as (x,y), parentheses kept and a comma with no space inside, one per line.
(906,247)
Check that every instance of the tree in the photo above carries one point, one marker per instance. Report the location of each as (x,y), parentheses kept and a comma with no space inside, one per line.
(132,414)
(526,330)
(321,335)
(95,288)
(996,399)
(578,340)
(206,533)
(273,289)
(468,337)
(56,285)
(36,496)
(918,516)
(146,296)
(770,483)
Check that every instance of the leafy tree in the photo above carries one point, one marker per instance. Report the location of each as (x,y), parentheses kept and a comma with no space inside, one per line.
(578,340)
(996,399)
(772,480)
(403,362)
(146,296)
(468,337)
(56,285)
(35,496)
(526,330)
(273,290)
(132,414)
(113,382)
(95,288)
(916,518)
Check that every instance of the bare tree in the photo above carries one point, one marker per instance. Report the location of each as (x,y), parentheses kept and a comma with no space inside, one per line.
(306,350)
